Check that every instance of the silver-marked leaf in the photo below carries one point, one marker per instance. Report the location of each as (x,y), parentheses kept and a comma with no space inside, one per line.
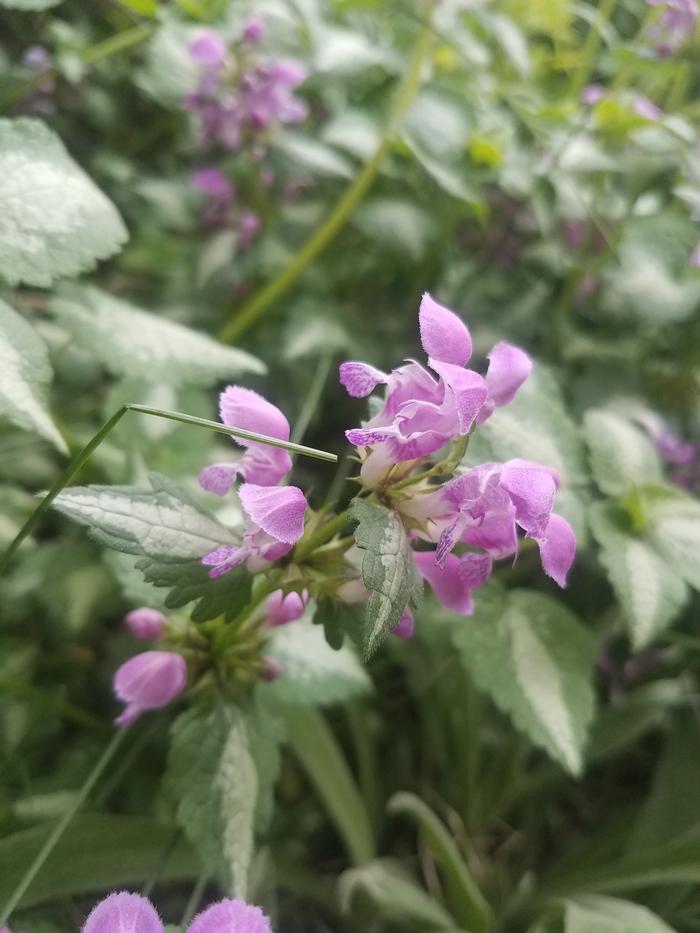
(673,528)
(650,592)
(313,156)
(131,342)
(388,570)
(212,779)
(535,660)
(24,373)
(151,522)
(594,913)
(621,454)
(312,672)
(55,221)
(31,5)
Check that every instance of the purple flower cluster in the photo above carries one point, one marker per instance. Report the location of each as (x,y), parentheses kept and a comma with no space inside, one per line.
(676,26)
(239,98)
(477,512)
(132,913)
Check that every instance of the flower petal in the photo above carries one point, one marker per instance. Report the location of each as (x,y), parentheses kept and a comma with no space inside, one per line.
(359,379)
(149,681)
(123,913)
(278,510)
(242,408)
(230,916)
(444,336)
(446,582)
(474,570)
(531,489)
(468,390)
(509,367)
(219,477)
(405,627)
(558,548)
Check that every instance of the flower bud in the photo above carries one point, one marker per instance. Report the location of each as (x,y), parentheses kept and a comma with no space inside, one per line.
(272,669)
(148,681)
(254,29)
(280,609)
(145,623)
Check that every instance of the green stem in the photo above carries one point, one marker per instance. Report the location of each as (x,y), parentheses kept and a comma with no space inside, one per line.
(61,826)
(101,50)
(319,537)
(84,455)
(195,898)
(592,44)
(313,397)
(338,217)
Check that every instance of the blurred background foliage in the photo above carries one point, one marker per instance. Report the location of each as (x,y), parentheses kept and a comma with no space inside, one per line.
(536,166)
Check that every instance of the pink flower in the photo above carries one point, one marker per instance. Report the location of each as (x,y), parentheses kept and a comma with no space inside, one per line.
(454,581)
(148,681)
(645,108)
(676,26)
(483,508)
(248,228)
(276,522)
(260,464)
(131,913)
(695,257)
(254,29)
(405,627)
(211,182)
(592,94)
(146,623)
(280,609)
(422,413)
(209,49)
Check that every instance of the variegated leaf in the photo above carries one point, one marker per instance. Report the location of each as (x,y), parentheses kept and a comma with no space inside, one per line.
(650,592)
(535,660)
(673,528)
(621,454)
(388,570)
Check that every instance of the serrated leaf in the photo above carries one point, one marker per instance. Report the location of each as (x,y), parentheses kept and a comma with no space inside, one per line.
(149,522)
(621,455)
(312,672)
(673,528)
(650,592)
(55,222)
(131,342)
(397,224)
(388,570)
(212,778)
(594,913)
(188,581)
(535,661)
(25,371)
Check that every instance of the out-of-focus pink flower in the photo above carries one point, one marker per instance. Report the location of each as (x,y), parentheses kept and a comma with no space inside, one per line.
(405,627)
(646,108)
(272,669)
(695,257)
(676,25)
(592,94)
(211,182)
(209,49)
(145,623)
(248,228)
(148,681)
(280,609)
(254,29)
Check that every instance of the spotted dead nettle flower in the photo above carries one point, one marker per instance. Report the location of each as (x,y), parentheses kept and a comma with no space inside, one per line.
(123,912)
(474,517)
(148,681)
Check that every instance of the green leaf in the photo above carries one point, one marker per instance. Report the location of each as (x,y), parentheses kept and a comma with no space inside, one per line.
(25,372)
(354,131)
(152,522)
(31,5)
(318,751)
(312,672)
(535,660)
(621,454)
(317,158)
(467,902)
(395,897)
(213,780)
(189,580)
(96,852)
(673,804)
(650,592)
(596,914)
(54,222)
(397,224)
(170,71)
(133,343)
(673,527)
(388,570)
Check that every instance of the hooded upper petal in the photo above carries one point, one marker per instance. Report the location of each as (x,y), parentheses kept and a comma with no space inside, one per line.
(278,510)
(444,336)
(531,489)
(243,408)
(124,913)
(509,367)
(230,916)
(557,548)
